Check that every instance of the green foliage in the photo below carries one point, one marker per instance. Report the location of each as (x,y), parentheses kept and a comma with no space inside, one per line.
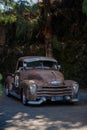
(73,59)
(5,19)
(23,31)
(84,6)
(55,42)
(69,38)
(7,14)
(26,23)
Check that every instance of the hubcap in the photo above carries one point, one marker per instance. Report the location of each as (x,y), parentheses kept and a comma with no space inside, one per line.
(24,98)
(7,90)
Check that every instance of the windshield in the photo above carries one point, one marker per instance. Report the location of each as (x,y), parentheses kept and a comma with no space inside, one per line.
(40,65)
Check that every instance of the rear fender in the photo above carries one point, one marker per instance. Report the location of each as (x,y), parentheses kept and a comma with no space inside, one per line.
(9,81)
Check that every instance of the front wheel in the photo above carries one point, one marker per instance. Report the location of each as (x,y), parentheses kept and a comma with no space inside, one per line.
(24,97)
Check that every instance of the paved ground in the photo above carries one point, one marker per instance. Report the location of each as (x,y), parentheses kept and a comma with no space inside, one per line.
(59,116)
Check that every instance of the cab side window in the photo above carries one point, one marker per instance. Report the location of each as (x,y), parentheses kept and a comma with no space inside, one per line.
(20,64)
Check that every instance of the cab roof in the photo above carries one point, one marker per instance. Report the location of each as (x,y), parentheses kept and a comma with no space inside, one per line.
(36,58)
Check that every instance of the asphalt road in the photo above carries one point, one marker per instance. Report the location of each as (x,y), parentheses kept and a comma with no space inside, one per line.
(52,116)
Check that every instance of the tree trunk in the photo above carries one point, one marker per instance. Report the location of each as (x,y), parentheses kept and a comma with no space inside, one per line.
(48,42)
(47,29)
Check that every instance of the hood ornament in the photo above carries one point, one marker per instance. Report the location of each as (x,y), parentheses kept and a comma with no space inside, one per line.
(55,82)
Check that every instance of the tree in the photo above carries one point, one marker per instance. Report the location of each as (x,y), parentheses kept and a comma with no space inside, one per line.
(7,12)
(48,8)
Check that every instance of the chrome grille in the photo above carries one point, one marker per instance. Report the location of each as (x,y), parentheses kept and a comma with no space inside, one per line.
(54,91)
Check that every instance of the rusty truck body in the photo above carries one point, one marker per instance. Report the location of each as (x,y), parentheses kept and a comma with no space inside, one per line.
(39,79)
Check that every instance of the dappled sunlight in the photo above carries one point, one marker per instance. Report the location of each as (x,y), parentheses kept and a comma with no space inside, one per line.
(15,116)
(20,115)
(1,113)
(40,122)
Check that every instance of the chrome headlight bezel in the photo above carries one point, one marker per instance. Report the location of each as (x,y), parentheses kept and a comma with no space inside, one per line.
(33,89)
(75,87)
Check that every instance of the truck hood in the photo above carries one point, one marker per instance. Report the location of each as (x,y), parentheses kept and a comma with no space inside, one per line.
(44,76)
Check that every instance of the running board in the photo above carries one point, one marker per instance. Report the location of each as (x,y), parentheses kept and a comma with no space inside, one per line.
(14,94)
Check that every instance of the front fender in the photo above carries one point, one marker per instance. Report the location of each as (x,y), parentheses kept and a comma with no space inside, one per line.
(69,82)
(24,83)
(74,94)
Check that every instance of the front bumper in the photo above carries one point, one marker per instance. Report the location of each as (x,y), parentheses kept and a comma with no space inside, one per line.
(54,98)
(52,93)
(35,102)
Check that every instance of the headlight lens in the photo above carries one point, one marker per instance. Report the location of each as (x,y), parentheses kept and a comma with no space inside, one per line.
(75,87)
(33,88)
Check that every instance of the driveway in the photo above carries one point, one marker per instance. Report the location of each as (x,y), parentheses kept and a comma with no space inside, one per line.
(52,116)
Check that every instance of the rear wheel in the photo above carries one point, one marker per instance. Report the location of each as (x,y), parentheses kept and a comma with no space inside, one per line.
(7,90)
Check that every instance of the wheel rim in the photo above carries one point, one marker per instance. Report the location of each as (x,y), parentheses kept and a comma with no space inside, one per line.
(7,90)
(23,98)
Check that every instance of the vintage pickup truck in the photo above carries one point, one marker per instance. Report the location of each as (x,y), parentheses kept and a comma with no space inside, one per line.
(39,79)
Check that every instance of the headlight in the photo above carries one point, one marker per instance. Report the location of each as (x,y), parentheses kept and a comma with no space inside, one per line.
(75,87)
(33,89)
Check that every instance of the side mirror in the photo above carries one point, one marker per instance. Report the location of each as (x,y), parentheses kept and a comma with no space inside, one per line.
(21,68)
(17,71)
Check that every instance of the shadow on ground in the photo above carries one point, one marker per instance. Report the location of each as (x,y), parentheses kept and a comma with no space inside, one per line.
(52,116)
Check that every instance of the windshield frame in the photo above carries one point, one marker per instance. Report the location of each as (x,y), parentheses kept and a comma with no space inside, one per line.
(40,64)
